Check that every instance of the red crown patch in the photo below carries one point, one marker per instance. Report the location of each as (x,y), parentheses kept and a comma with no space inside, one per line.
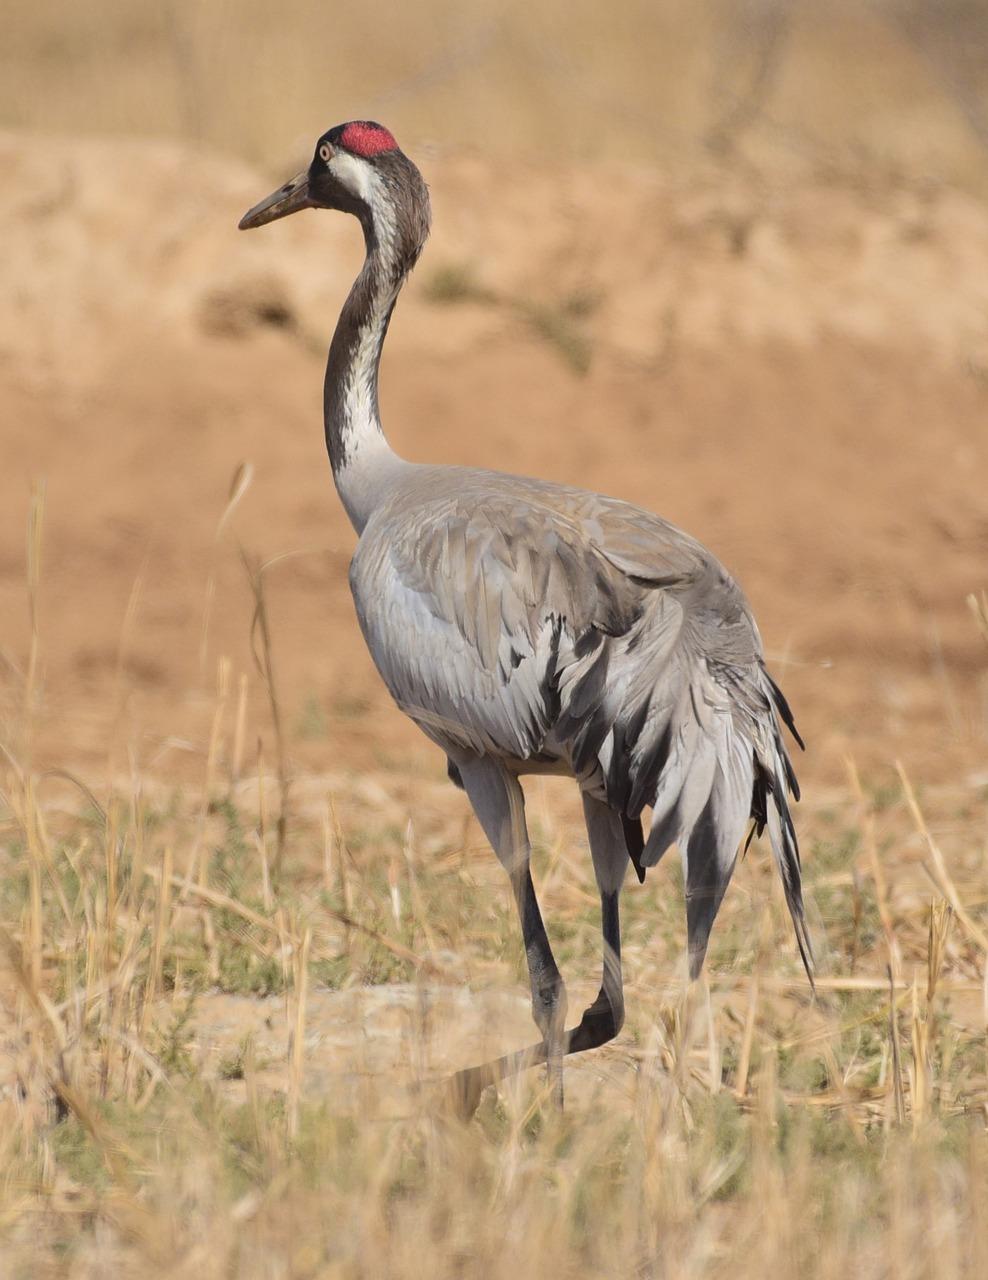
(366,139)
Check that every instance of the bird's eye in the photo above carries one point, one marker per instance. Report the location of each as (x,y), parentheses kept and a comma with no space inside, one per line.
(325,152)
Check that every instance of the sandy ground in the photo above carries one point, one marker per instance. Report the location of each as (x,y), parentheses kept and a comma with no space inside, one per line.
(412,1036)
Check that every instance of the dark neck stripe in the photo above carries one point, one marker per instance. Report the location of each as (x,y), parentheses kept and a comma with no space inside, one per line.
(350,390)
(395,222)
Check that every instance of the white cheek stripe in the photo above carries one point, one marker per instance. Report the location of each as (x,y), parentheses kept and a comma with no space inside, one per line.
(355,175)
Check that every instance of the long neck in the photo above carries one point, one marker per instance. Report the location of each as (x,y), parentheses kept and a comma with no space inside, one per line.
(360,455)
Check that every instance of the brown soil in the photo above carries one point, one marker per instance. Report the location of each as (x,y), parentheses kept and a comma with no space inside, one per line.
(798,374)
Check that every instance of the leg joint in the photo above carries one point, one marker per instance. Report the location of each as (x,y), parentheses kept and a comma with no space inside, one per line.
(549,1002)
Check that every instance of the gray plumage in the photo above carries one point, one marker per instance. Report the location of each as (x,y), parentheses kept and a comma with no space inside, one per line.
(530,627)
(561,631)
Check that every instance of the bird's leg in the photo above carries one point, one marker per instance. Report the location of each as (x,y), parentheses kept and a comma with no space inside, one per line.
(499,804)
(605,1017)
(548,989)
(600,1022)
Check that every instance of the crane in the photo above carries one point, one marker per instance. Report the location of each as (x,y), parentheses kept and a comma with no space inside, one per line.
(530,627)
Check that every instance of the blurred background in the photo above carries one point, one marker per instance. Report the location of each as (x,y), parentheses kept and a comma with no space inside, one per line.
(726,259)
(895,84)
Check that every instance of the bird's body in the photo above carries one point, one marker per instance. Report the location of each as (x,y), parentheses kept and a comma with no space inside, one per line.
(557,630)
(530,627)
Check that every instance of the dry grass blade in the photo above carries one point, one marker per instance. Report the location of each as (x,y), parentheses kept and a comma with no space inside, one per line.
(239,484)
(35,538)
(979,607)
(297,1067)
(941,914)
(900,1101)
(266,666)
(877,871)
(239,731)
(941,875)
(920,1090)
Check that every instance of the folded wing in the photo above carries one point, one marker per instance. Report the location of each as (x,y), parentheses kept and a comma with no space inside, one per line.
(554,625)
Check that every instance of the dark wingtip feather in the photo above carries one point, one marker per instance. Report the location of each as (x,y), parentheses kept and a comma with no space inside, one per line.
(770,789)
(794,901)
(707,878)
(806,955)
(634,839)
(792,885)
(784,710)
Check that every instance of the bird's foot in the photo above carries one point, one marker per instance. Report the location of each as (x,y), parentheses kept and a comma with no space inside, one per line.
(464,1089)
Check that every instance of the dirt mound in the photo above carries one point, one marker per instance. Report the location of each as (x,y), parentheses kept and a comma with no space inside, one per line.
(797,374)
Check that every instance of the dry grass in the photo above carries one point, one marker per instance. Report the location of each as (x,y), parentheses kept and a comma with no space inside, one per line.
(739,1128)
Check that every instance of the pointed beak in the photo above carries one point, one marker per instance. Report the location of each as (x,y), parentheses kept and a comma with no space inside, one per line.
(294,195)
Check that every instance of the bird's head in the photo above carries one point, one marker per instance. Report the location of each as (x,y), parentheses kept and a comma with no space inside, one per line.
(358,168)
